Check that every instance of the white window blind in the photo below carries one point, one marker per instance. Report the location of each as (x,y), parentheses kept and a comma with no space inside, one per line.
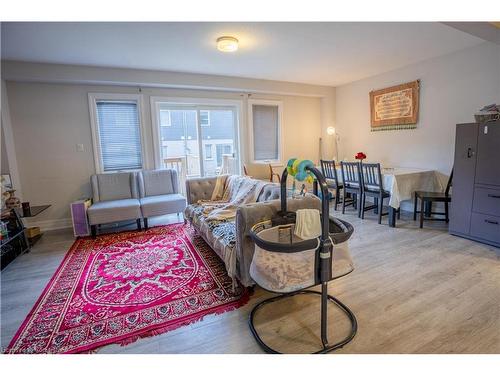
(265,132)
(119,135)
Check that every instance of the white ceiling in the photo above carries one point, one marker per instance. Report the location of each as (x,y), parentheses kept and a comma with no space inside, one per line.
(316,53)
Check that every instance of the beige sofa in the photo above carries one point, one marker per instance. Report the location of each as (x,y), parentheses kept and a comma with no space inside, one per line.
(234,234)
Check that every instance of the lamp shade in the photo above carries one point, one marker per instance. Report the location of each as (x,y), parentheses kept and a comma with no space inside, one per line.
(330,130)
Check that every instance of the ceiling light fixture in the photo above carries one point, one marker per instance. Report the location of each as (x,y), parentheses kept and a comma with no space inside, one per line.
(227,44)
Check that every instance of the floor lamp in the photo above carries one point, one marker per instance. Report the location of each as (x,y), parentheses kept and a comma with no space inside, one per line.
(333,132)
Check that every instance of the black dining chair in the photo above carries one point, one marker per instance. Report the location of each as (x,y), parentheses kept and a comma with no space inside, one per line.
(329,170)
(351,178)
(428,197)
(372,185)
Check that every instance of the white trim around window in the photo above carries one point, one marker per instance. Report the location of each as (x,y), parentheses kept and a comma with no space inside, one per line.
(251,151)
(201,104)
(96,97)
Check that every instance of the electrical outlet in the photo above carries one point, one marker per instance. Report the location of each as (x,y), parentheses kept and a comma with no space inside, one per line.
(80,147)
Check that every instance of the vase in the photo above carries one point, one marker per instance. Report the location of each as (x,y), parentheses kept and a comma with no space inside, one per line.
(12,201)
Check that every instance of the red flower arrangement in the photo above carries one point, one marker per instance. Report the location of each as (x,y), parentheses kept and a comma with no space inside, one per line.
(360,156)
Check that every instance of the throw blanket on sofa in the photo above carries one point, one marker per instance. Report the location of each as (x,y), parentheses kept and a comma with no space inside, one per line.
(238,190)
(220,214)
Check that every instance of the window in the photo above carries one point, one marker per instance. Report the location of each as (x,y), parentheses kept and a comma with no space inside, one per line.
(197,126)
(222,149)
(165,119)
(265,130)
(208,152)
(205,118)
(116,132)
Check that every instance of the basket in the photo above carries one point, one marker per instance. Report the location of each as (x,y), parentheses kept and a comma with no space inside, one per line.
(284,263)
(481,118)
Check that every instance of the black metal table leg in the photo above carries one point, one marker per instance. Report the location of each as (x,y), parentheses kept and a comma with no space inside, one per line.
(392,216)
(428,208)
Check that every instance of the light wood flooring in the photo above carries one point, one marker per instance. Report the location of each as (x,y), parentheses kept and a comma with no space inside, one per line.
(413,291)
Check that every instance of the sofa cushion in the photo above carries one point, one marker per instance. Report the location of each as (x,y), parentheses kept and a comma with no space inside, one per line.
(189,211)
(162,204)
(269,192)
(116,210)
(158,182)
(202,188)
(219,234)
(113,186)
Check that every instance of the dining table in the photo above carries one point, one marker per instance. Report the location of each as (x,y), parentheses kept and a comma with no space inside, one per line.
(402,182)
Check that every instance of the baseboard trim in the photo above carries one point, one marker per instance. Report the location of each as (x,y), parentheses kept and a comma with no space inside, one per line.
(47,225)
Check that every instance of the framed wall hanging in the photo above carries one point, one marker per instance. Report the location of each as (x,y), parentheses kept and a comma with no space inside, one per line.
(395,107)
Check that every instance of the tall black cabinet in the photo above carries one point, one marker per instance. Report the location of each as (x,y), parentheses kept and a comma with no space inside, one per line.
(475,206)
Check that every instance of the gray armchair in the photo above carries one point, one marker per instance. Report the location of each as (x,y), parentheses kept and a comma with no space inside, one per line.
(159,193)
(115,198)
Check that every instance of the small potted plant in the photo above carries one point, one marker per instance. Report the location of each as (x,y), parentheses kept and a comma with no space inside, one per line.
(360,156)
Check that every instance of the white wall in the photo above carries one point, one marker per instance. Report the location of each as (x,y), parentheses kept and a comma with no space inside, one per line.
(8,148)
(453,87)
(79,74)
(49,120)
(5,160)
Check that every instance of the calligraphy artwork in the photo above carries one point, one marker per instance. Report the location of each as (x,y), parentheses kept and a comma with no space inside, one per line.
(395,107)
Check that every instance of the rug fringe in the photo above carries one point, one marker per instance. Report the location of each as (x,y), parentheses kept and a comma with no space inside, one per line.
(161,330)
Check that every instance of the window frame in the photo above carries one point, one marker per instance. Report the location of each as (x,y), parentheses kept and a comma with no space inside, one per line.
(251,151)
(222,145)
(96,139)
(208,118)
(211,151)
(202,104)
(169,118)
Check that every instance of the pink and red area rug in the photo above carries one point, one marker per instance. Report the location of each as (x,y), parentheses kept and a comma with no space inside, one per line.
(120,287)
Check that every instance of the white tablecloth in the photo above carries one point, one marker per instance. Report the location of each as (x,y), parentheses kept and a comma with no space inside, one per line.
(403,182)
